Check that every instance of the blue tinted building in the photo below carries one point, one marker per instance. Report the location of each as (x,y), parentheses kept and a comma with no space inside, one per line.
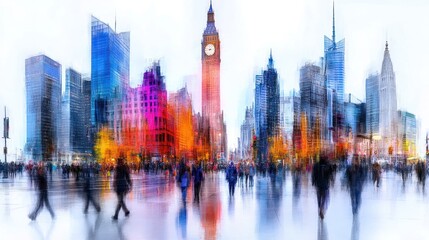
(72,131)
(355,116)
(110,67)
(43,99)
(372,89)
(334,74)
(267,108)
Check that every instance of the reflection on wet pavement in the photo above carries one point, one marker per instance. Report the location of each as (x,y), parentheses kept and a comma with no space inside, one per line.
(276,207)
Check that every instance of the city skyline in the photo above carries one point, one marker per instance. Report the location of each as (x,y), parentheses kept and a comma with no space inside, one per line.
(240,75)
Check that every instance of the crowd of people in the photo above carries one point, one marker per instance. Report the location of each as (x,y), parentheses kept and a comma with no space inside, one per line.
(355,175)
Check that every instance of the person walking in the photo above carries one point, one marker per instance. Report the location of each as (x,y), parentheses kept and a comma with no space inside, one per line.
(376,173)
(122,184)
(355,176)
(321,177)
(231,177)
(421,173)
(198,178)
(252,172)
(184,183)
(42,184)
(246,173)
(89,178)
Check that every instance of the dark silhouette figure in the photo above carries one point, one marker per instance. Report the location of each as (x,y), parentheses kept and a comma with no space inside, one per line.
(184,183)
(89,178)
(355,176)
(122,184)
(42,184)
(198,178)
(376,173)
(421,173)
(231,177)
(321,177)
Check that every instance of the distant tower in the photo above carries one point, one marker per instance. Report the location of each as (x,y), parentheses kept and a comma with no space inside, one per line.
(388,103)
(334,74)
(267,108)
(210,58)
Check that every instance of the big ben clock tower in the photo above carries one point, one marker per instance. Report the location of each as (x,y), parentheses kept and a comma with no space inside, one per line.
(210,58)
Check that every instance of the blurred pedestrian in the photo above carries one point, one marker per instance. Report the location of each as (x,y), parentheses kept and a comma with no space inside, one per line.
(198,178)
(42,185)
(122,184)
(376,173)
(246,173)
(321,177)
(184,180)
(421,172)
(231,177)
(252,172)
(355,176)
(89,178)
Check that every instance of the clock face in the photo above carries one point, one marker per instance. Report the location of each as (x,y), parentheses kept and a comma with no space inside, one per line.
(210,49)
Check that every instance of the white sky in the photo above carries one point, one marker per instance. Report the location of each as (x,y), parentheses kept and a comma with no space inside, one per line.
(171,30)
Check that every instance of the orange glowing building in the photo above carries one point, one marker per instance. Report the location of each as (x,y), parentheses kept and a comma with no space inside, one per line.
(210,57)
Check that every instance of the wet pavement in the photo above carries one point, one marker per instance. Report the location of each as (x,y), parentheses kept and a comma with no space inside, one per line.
(275,208)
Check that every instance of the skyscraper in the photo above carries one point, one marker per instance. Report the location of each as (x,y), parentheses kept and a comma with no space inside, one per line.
(261,117)
(110,67)
(43,92)
(313,104)
(355,116)
(72,128)
(286,117)
(407,133)
(372,87)
(334,74)
(247,130)
(273,98)
(210,57)
(388,104)
(267,108)
(86,112)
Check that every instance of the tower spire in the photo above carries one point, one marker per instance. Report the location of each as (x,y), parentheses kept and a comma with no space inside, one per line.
(211,8)
(270,60)
(115,21)
(333,21)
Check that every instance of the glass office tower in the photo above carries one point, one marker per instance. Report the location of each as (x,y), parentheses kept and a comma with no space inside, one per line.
(43,99)
(110,67)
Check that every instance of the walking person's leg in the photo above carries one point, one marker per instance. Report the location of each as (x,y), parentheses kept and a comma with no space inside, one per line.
(87,198)
(37,208)
(118,206)
(230,189)
(48,205)
(124,206)
(94,202)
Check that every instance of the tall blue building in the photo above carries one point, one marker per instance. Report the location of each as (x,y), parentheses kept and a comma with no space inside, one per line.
(267,108)
(86,112)
(72,131)
(334,74)
(355,116)
(407,133)
(260,116)
(43,99)
(110,67)
(372,86)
